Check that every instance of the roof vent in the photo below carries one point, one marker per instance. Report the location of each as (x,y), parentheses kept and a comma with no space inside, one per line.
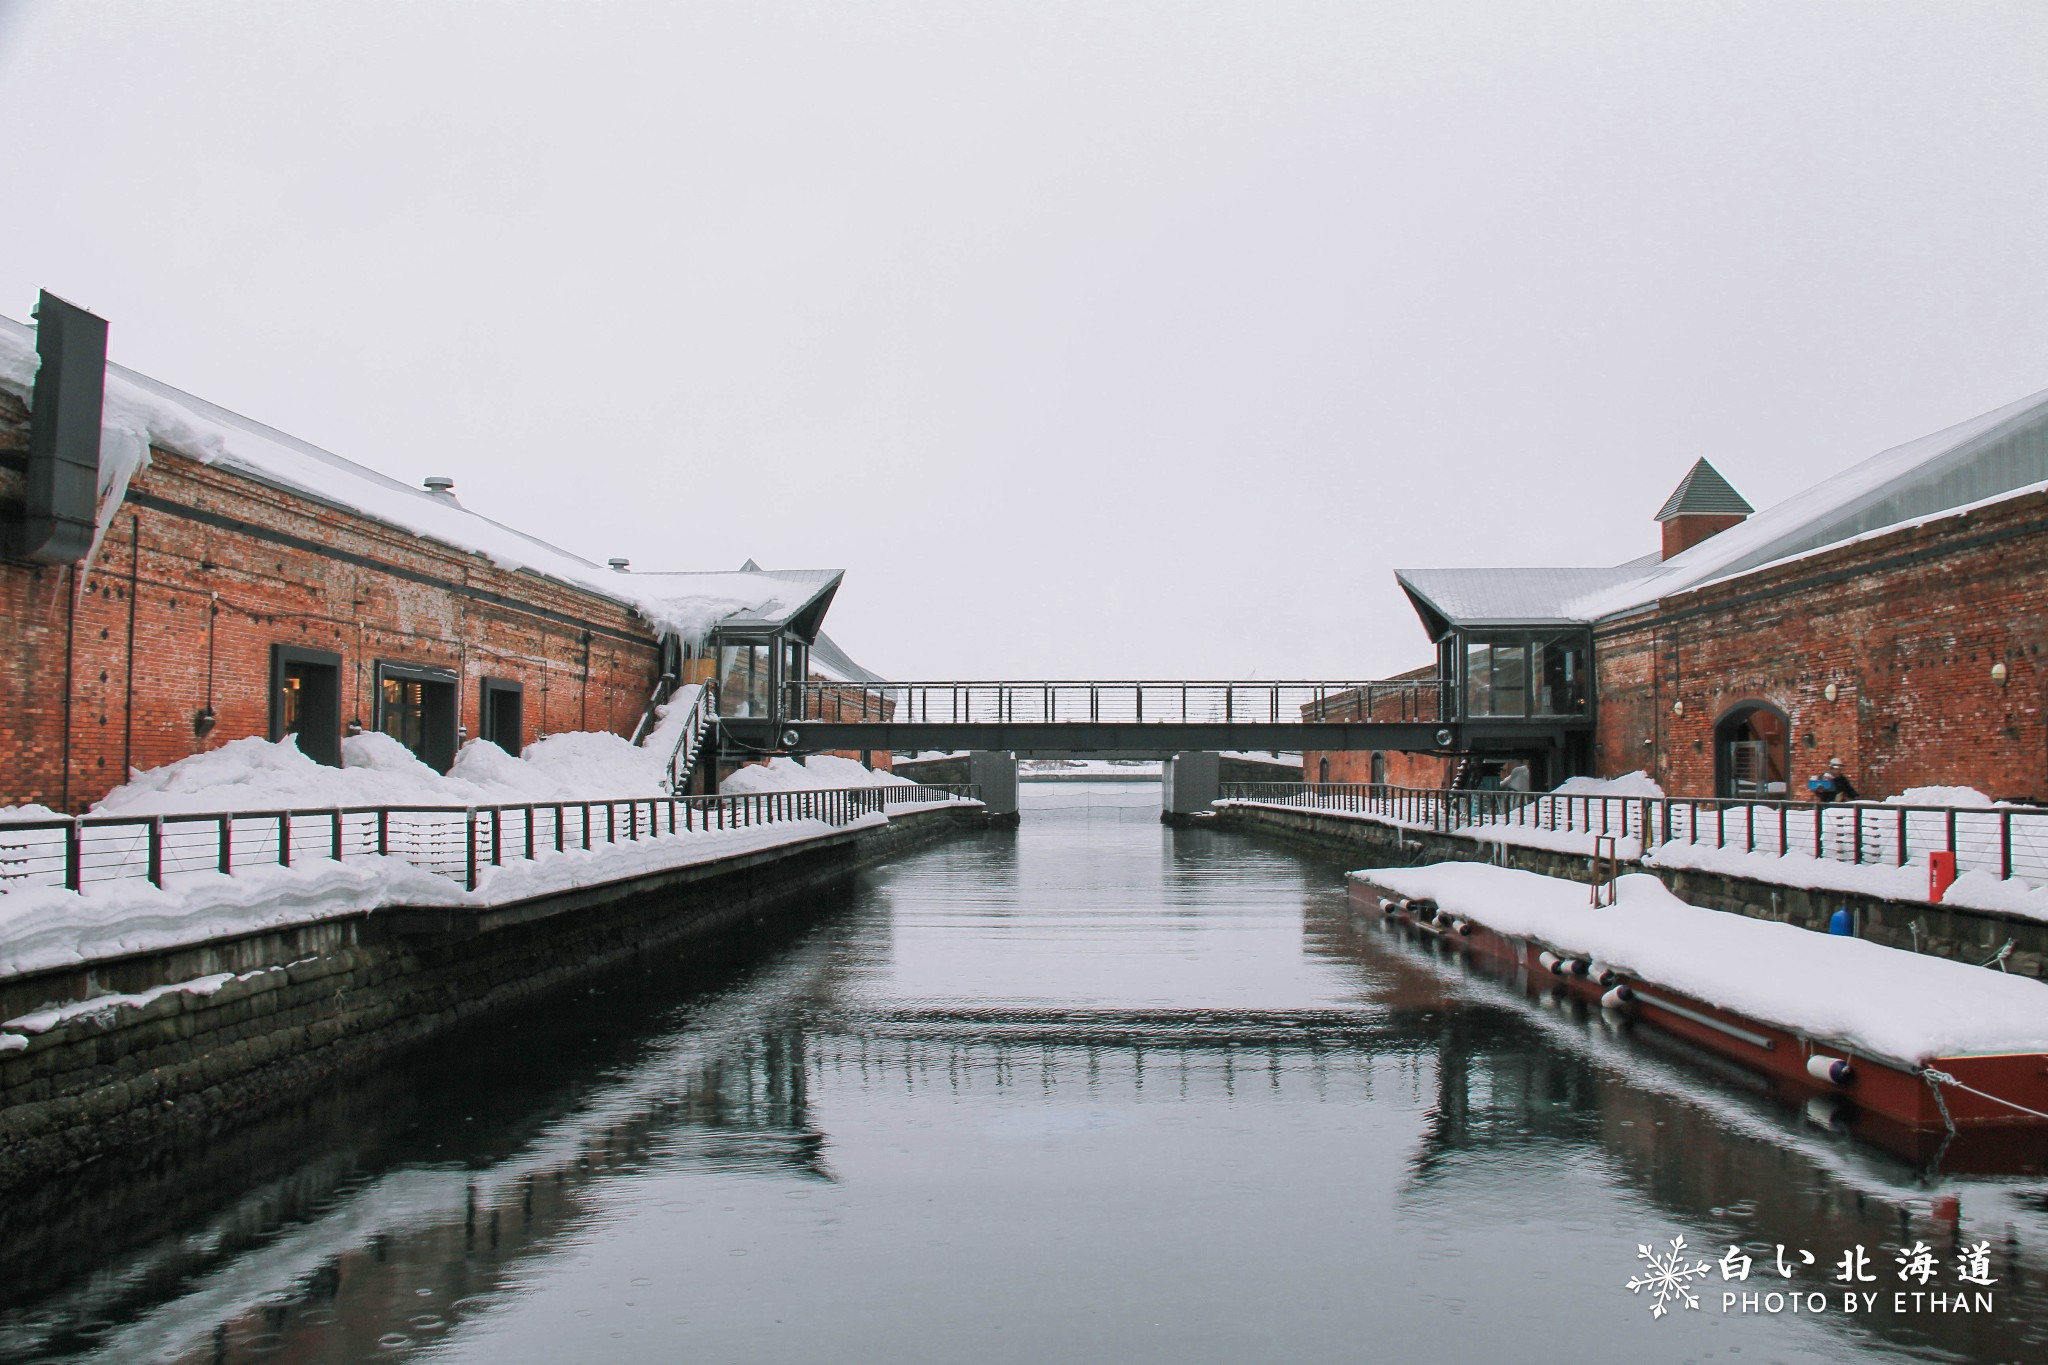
(1702,505)
(620,565)
(440,485)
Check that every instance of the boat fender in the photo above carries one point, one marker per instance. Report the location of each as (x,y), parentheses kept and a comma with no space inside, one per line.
(1565,966)
(1580,967)
(1547,960)
(1608,976)
(1833,1070)
(1617,997)
(1387,907)
(1461,926)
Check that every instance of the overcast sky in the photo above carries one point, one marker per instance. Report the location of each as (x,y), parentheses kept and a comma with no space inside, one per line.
(1108,339)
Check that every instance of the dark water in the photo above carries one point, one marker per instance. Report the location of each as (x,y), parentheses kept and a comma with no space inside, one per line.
(1095,1090)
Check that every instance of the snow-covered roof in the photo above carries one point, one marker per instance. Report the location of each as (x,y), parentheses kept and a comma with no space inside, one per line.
(835,663)
(1509,597)
(141,413)
(750,599)
(1998,455)
(1703,492)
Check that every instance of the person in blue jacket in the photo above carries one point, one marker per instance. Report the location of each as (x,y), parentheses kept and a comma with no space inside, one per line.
(1833,784)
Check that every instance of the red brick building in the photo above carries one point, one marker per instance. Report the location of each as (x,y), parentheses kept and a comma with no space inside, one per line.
(1892,616)
(175,576)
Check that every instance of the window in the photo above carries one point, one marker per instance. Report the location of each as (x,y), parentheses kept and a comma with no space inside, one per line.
(1497,679)
(744,685)
(1518,676)
(305,701)
(501,719)
(416,707)
(1562,685)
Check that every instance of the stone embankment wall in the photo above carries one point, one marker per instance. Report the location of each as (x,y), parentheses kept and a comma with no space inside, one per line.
(310,1004)
(1922,926)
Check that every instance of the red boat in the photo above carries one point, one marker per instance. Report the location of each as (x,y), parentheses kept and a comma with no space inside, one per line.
(1980,1113)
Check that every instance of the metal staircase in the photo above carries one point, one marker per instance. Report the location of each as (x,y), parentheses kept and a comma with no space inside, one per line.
(698,723)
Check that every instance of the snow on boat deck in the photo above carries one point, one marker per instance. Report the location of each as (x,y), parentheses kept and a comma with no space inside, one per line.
(1877,1001)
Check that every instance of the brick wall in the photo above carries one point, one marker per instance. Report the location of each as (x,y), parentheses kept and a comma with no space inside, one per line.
(198,550)
(1403,769)
(1906,626)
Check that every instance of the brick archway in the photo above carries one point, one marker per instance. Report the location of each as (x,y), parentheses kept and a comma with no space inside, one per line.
(1753,752)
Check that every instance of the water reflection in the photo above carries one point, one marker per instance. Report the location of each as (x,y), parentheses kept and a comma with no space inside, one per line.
(1095,1089)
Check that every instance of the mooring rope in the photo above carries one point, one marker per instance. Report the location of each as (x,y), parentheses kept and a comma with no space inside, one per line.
(1937,1079)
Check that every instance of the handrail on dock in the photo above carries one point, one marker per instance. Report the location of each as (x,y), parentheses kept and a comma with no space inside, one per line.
(450,841)
(2007,841)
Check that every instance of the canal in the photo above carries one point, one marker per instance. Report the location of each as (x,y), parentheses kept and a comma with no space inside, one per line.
(1090,1090)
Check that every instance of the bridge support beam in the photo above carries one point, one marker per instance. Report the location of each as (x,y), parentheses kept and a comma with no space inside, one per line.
(1189,783)
(995,772)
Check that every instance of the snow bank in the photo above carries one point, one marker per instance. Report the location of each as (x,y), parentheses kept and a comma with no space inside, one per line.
(819,772)
(1872,1000)
(1966,797)
(1637,783)
(256,774)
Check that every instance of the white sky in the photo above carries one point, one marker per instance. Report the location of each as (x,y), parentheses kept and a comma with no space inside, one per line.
(1111,339)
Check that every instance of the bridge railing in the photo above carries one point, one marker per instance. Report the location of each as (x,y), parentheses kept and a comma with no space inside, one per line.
(2004,841)
(451,841)
(1060,702)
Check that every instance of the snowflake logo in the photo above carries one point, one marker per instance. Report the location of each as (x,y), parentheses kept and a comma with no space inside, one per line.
(1668,1277)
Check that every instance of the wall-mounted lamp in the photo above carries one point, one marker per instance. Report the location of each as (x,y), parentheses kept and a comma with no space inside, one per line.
(1830,691)
(1678,707)
(1998,672)
(203,721)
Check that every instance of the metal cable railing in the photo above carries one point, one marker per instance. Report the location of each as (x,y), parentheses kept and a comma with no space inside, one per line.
(2005,841)
(450,841)
(1412,700)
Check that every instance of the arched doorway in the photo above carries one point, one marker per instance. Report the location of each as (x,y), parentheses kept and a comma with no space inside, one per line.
(1752,752)
(1323,769)
(1379,770)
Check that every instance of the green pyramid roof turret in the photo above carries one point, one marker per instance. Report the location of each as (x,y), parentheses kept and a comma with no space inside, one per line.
(1704,492)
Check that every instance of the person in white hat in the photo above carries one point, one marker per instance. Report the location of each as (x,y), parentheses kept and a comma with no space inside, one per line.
(1834,784)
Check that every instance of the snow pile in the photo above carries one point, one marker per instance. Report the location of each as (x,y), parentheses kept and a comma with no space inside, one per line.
(255,774)
(1637,783)
(1964,797)
(819,772)
(1869,999)
(587,765)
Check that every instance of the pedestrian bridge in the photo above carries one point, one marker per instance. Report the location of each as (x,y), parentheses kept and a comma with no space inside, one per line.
(1067,716)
